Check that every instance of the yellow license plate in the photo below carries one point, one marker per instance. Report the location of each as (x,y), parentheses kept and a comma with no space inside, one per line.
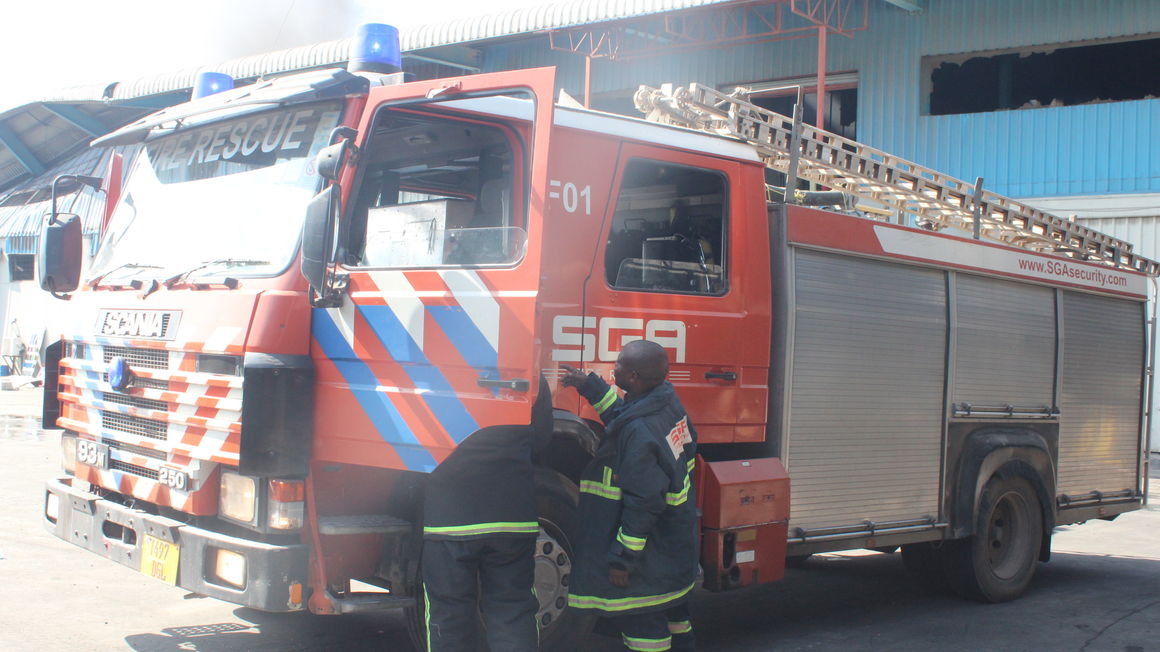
(159,559)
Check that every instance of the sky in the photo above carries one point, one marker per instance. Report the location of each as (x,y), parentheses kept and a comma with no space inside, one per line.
(47,45)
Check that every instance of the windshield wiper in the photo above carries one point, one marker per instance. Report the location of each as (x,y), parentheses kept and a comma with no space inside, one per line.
(134,285)
(228,262)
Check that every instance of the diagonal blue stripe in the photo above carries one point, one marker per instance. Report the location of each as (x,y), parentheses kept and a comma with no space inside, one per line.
(466,337)
(439,396)
(385,417)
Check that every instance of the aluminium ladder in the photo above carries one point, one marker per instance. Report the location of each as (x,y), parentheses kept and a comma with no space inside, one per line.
(882,179)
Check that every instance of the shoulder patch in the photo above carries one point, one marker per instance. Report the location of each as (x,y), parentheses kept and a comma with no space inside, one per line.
(678,437)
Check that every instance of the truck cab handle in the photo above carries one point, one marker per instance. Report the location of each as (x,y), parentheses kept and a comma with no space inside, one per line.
(723,375)
(517,384)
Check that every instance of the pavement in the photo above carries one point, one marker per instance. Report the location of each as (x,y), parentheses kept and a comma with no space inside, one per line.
(1099,593)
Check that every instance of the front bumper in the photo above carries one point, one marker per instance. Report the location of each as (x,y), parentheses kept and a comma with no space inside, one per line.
(276,575)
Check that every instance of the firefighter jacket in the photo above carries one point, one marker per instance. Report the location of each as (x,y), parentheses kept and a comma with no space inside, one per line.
(486,487)
(637,507)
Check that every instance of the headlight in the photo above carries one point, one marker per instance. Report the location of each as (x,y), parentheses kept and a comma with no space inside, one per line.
(239,497)
(52,507)
(68,454)
(230,567)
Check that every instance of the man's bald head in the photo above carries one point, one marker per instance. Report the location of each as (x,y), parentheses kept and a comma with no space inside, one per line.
(641,366)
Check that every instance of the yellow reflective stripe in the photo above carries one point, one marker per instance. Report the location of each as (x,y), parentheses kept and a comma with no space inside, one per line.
(598,489)
(624,604)
(528,527)
(636,544)
(691,464)
(680,627)
(681,496)
(427,615)
(603,489)
(647,644)
(604,403)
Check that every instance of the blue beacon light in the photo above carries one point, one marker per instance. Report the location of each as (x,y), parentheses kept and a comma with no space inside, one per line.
(120,375)
(375,49)
(208,83)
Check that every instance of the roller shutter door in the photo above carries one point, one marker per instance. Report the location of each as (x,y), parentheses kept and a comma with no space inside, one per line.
(1005,343)
(1103,350)
(867,391)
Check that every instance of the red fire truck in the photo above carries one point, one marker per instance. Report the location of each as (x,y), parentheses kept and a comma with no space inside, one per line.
(313,288)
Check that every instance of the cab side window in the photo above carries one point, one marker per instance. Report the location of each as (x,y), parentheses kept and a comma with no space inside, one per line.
(668,230)
(436,192)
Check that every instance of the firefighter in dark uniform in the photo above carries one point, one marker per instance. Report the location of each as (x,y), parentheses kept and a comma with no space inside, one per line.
(636,554)
(479,535)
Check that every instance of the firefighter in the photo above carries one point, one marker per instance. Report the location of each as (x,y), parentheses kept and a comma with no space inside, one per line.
(479,535)
(636,555)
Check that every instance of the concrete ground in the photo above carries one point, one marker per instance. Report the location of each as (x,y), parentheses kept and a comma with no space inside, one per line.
(1100,592)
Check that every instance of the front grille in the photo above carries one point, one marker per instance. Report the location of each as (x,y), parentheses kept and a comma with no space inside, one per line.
(149,383)
(134,425)
(135,401)
(135,450)
(118,465)
(76,350)
(146,358)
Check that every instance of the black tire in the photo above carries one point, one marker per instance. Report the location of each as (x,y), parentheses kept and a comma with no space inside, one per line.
(798,561)
(923,562)
(996,563)
(556,498)
(416,618)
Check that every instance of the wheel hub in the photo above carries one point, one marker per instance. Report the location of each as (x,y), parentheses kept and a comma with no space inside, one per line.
(553,572)
(1006,547)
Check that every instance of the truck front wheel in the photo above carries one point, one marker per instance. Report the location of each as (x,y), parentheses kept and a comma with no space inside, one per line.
(997,562)
(556,498)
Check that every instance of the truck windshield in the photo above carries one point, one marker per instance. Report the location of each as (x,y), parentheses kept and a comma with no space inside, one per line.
(234,190)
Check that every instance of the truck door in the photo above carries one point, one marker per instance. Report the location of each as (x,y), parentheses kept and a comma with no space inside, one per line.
(439,241)
(679,262)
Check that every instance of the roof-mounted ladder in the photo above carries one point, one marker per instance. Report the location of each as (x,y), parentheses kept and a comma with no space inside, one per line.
(882,179)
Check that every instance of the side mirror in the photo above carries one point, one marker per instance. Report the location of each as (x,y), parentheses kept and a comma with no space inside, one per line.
(58,261)
(318,243)
(329,159)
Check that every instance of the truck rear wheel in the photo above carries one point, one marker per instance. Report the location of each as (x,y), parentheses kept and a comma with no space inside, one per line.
(996,563)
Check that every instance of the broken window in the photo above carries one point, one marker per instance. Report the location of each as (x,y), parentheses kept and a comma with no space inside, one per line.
(1042,76)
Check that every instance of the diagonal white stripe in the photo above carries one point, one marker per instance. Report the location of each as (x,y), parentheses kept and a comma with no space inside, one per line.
(477,301)
(343,318)
(222,337)
(404,302)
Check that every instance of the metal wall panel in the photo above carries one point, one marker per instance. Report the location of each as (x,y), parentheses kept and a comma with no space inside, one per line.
(1103,350)
(1097,148)
(866,403)
(1004,343)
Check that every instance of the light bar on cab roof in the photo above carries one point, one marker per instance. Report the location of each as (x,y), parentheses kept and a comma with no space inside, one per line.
(375,49)
(208,83)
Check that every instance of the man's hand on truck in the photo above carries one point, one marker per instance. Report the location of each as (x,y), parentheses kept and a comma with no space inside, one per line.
(573,377)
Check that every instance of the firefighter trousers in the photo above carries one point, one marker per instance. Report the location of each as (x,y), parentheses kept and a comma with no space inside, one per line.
(492,577)
(657,631)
